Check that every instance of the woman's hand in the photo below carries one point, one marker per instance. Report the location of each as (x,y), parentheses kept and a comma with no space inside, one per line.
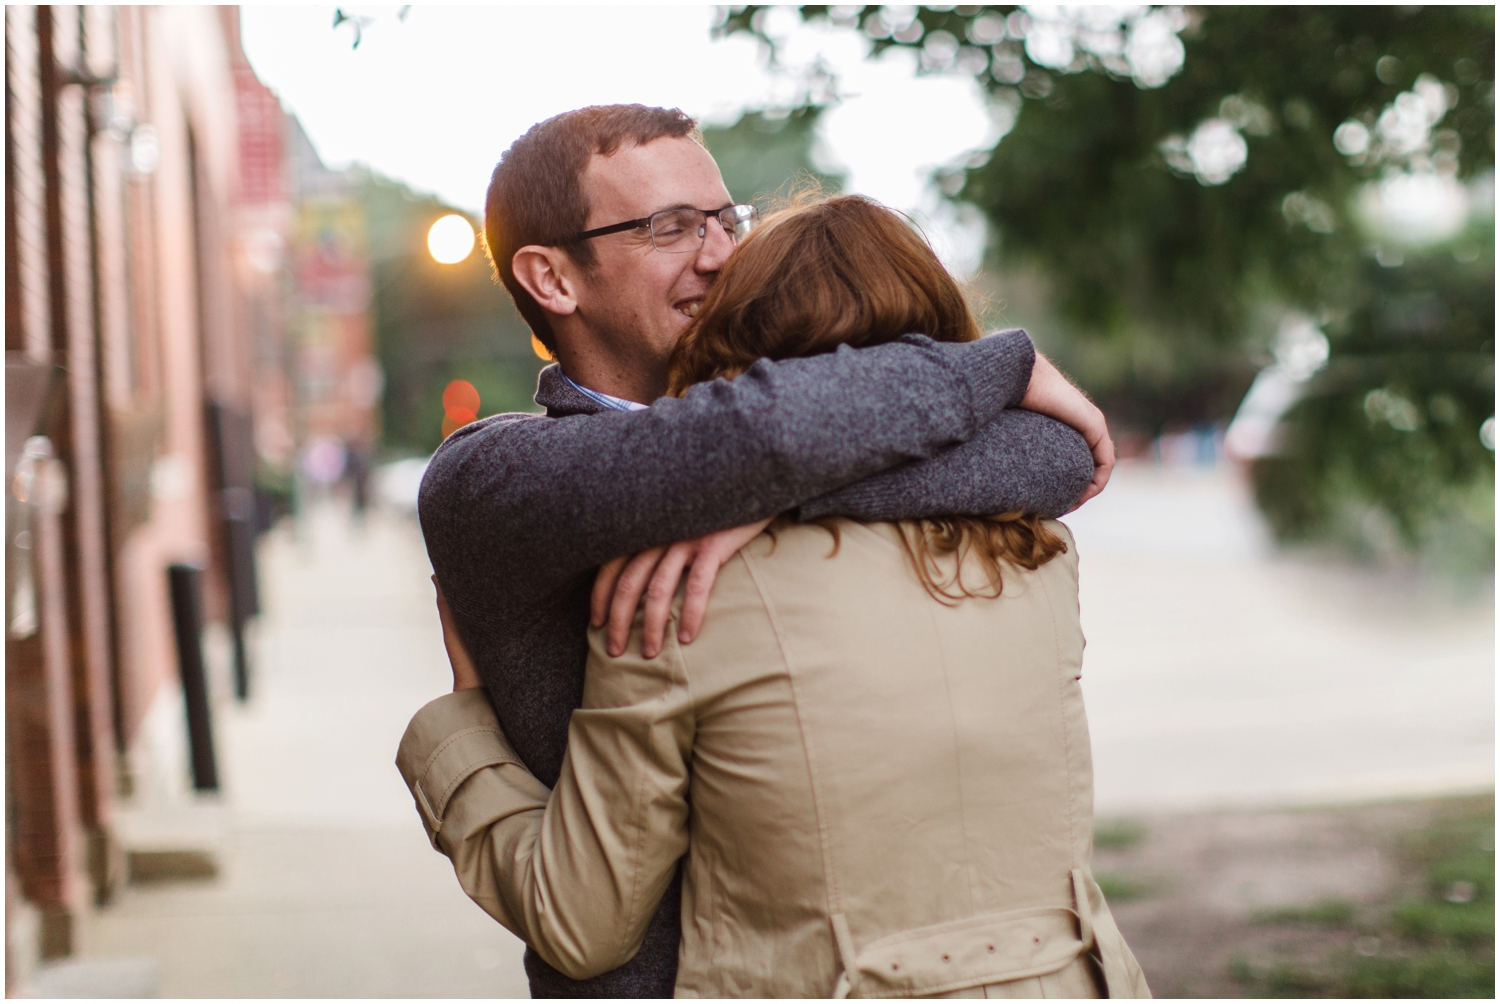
(465,676)
(1052,394)
(655,574)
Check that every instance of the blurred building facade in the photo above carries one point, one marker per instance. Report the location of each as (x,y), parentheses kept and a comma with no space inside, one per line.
(155,244)
(339,380)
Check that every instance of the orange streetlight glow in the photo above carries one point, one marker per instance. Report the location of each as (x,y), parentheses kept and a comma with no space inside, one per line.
(460,406)
(451,239)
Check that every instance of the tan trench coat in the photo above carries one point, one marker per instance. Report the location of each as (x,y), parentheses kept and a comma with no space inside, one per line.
(878,795)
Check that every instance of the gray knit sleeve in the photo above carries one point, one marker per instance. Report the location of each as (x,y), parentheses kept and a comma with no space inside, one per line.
(1019,461)
(531,502)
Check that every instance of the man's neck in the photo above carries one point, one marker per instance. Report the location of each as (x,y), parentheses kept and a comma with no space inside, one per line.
(614,377)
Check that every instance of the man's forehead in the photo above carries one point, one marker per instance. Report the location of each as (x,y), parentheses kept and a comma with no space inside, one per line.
(638,180)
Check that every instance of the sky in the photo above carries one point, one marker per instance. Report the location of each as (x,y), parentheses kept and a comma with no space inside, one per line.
(432,99)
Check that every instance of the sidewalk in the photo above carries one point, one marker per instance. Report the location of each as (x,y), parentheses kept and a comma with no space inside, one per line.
(328,887)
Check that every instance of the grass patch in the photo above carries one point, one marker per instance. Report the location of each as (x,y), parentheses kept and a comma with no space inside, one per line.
(1436,973)
(1118,834)
(1292,981)
(1119,888)
(1431,973)
(1424,920)
(1439,944)
(1277,980)
(1326,913)
(1457,856)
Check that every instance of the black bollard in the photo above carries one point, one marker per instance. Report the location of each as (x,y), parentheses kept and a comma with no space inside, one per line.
(239,536)
(231,441)
(187,617)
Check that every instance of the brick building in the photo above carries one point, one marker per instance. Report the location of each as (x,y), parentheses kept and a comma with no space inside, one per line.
(150,209)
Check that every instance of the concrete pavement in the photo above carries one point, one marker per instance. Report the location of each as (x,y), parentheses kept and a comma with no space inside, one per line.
(328,886)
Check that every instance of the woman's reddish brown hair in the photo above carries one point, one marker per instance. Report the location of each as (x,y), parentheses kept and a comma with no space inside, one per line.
(846,270)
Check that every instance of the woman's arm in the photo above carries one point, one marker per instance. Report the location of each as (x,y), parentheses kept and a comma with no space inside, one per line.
(576,873)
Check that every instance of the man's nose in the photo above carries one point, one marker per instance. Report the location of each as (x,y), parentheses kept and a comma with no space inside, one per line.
(716,249)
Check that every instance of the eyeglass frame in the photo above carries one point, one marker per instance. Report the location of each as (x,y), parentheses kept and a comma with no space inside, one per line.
(645,221)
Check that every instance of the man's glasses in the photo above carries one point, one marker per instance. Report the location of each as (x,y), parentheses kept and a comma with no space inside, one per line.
(680,231)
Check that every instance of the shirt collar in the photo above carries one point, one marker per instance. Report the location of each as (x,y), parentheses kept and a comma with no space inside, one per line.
(604,400)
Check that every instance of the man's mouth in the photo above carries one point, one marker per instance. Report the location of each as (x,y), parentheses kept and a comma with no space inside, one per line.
(690,307)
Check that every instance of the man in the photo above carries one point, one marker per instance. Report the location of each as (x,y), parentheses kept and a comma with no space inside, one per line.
(608,225)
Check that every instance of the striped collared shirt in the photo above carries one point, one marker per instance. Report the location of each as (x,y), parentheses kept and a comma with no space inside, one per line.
(605,400)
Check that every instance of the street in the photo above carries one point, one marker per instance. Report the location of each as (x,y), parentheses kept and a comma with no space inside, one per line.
(1219,673)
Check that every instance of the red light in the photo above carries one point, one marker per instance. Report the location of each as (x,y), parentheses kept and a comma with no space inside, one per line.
(460,406)
(461,395)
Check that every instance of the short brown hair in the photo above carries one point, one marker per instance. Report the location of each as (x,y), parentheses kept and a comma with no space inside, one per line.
(848,271)
(535,196)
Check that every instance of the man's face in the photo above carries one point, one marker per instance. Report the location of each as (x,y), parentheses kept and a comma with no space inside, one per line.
(635,298)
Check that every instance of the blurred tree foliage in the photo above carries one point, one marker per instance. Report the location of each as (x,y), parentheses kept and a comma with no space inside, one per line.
(765,153)
(1178,215)
(1381,450)
(435,323)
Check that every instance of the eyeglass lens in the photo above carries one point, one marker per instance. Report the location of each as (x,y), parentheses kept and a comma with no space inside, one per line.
(679,231)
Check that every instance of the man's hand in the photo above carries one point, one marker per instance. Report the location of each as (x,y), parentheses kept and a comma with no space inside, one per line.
(465,676)
(655,574)
(1052,394)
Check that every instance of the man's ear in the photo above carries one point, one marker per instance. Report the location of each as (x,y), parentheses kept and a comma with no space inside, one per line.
(546,273)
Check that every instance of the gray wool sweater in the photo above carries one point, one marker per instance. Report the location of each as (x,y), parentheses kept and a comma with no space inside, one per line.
(518,512)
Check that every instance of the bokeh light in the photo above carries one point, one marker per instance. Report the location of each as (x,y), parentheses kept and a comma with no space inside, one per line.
(451,239)
(460,406)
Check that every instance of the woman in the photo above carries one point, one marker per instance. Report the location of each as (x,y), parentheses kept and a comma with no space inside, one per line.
(880,725)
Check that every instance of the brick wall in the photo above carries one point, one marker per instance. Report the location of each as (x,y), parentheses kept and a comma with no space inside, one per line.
(121,175)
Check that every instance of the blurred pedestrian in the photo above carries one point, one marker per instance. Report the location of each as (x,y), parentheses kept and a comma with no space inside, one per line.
(359,482)
(324,460)
(608,226)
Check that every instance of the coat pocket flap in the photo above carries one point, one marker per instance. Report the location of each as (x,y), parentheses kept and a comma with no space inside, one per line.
(991,948)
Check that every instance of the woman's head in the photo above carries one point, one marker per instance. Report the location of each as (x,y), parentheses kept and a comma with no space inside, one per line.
(838,271)
(849,271)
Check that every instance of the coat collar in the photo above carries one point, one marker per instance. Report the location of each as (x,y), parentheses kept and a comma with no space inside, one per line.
(561,398)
